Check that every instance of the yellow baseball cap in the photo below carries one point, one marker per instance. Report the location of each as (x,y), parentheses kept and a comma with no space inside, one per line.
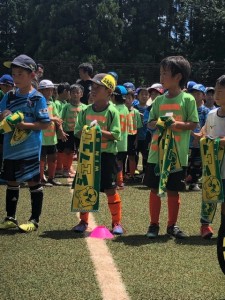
(106,80)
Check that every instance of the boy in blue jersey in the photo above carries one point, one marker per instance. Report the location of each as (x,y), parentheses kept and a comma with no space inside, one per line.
(21,161)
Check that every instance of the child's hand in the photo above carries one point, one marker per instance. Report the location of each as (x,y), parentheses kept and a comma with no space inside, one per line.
(22,125)
(62,135)
(4,114)
(57,121)
(222,142)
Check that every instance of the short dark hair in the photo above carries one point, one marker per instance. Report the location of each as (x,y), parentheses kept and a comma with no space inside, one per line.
(77,86)
(18,67)
(86,67)
(130,92)
(177,64)
(63,86)
(40,66)
(221,80)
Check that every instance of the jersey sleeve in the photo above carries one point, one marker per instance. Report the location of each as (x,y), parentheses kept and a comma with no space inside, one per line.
(114,127)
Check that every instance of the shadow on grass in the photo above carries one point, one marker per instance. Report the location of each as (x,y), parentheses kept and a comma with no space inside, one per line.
(138,240)
(10,231)
(196,240)
(142,187)
(61,235)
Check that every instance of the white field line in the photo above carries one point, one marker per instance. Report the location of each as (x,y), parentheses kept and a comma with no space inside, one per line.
(109,278)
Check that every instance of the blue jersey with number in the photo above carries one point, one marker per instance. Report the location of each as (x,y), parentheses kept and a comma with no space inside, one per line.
(33,106)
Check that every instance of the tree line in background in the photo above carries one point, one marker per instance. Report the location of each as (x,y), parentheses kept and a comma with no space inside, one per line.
(129,36)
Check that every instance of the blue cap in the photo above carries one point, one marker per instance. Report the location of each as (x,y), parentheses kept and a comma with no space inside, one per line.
(7,80)
(129,86)
(190,85)
(198,87)
(114,74)
(120,90)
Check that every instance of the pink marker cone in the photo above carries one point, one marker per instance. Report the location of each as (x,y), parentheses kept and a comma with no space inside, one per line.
(101,232)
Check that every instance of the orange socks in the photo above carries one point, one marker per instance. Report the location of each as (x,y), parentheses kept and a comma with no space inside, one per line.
(132,166)
(115,207)
(67,161)
(59,165)
(84,217)
(119,178)
(173,209)
(154,208)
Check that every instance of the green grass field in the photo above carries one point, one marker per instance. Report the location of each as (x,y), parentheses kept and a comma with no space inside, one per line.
(54,263)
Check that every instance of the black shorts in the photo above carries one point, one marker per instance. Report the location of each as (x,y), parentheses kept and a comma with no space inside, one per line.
(109,170)
(142,146)
(1,138)
(176,181)
(46,150)
(131,149)
(71,143)
(121,156)
(21,170)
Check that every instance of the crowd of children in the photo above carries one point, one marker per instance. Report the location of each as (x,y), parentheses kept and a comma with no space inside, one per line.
(133,121)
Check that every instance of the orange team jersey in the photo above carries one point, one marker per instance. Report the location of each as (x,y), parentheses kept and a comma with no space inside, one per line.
(49,136)
(107,119)
(69,115)
(134,121)
(183,108)
(124,113)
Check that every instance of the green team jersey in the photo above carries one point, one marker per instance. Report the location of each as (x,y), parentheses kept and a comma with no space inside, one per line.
(59,105)
(107,119)
(134,121)
(124,113)
(184,109)
(69,115)
(49,136)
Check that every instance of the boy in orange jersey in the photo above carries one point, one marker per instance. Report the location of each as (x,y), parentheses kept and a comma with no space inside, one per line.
(49,136)
(108,119)
(69,115)
(181,107)
(134,122)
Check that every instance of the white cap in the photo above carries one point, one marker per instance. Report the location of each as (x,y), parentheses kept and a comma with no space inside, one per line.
(156,86)
(46,84)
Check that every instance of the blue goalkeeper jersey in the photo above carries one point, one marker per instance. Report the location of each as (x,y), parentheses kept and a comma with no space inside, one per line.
(33,106)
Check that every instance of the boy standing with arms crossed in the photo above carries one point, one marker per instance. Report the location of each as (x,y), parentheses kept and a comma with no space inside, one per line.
(108,119)
(174,72)
(22,161)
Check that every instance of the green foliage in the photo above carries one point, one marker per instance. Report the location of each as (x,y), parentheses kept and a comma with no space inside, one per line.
(113,31)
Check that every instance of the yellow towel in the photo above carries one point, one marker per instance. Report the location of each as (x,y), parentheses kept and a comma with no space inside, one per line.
(212,156)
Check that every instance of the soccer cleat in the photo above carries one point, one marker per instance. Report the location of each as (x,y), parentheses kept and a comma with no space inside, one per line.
(81,227)
(8,223)
(46,183)
(120,187)
(67,174)
(194,188)
(176,232)
(153,231)
(206,231)
(117,229)
(28,227)
(54,182)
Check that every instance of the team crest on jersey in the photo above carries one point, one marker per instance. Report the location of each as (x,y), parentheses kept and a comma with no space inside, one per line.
(43,110)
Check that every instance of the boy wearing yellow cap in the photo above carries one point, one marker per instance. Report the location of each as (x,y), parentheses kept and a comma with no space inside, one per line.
(108,119)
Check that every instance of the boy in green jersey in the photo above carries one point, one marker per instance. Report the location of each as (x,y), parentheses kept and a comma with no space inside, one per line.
(119,100)
(181,107)
(108,119)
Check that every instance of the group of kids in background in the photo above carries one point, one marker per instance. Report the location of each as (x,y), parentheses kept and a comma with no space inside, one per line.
(128,118)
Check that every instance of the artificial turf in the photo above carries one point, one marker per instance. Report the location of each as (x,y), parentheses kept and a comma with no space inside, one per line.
(54,263)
